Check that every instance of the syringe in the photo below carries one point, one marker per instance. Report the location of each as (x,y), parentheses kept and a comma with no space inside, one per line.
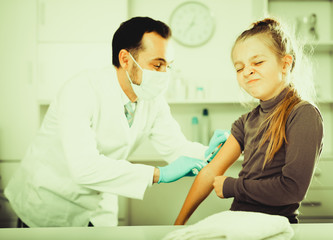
(195,171)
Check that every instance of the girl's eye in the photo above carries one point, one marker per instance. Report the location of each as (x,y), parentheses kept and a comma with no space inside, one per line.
(239,70)
(258,63)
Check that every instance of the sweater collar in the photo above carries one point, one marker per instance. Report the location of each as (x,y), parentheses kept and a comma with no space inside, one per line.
(269,104)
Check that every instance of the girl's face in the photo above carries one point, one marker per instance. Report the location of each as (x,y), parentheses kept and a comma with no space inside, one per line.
(259,71)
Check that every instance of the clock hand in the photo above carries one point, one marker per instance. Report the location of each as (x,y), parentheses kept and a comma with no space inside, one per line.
(192,23)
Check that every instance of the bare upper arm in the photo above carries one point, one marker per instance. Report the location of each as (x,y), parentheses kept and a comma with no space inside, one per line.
(228,154)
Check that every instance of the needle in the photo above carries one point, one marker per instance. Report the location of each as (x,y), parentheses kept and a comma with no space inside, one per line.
(195,171)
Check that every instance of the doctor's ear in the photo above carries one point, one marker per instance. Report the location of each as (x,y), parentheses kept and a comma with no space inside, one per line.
(287,63)
(124,59)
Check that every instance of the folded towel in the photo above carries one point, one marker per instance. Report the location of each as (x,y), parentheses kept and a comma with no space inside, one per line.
(236,225)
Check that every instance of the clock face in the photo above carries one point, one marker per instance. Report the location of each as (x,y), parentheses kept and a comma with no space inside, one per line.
(192,24)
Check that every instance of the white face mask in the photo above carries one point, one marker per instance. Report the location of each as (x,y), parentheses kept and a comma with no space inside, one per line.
(153,83)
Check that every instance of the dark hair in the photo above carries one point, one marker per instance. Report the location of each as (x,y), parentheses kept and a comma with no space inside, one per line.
(130,33)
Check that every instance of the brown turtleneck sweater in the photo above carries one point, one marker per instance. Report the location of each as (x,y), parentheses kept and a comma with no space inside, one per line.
(282,185)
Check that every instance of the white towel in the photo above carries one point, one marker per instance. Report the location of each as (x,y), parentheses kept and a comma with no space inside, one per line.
(236,225)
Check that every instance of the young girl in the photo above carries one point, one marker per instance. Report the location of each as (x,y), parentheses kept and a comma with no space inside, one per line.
(281,138)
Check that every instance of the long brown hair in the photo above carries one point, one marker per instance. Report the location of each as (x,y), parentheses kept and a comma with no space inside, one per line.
(275,122)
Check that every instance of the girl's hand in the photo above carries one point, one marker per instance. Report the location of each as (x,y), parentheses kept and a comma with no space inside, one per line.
(218,185)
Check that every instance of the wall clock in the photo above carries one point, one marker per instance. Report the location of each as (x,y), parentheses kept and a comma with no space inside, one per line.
(192,24)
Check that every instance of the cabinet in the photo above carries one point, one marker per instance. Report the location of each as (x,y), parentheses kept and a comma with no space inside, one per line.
(7,216)
(18,109)
(43,43)
(317,205)
(73,36)
(58,62)
(79,21)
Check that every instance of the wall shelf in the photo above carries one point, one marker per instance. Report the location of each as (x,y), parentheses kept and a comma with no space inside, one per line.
(321,46)
(200,101)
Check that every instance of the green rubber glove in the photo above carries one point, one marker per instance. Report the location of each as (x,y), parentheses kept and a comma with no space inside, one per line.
(219,137)
(180,168)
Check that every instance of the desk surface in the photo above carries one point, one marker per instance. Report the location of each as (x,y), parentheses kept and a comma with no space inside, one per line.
(302,232)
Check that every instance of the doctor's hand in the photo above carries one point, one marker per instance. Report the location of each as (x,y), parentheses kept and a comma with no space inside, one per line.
(218,185)
(179,168)
(219,137)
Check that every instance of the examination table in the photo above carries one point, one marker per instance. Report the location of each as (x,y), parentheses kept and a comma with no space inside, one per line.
(306,231)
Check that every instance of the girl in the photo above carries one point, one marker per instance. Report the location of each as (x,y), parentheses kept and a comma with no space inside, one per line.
(281,138)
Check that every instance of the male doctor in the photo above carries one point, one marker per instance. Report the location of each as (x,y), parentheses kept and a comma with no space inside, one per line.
(76,166)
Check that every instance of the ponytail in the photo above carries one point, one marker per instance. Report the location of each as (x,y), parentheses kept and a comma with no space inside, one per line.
(275,125)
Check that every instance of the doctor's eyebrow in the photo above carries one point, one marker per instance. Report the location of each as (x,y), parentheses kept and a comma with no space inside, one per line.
(160,59)
(163,60)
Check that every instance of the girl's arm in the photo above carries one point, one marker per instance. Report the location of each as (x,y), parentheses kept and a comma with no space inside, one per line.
(203,184)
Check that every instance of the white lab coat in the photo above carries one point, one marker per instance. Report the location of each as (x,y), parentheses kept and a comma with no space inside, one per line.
(76,166)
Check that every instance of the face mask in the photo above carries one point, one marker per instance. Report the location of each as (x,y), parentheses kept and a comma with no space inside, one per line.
(153,83)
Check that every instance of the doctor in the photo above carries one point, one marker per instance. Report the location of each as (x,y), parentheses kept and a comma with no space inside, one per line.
(77,165)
